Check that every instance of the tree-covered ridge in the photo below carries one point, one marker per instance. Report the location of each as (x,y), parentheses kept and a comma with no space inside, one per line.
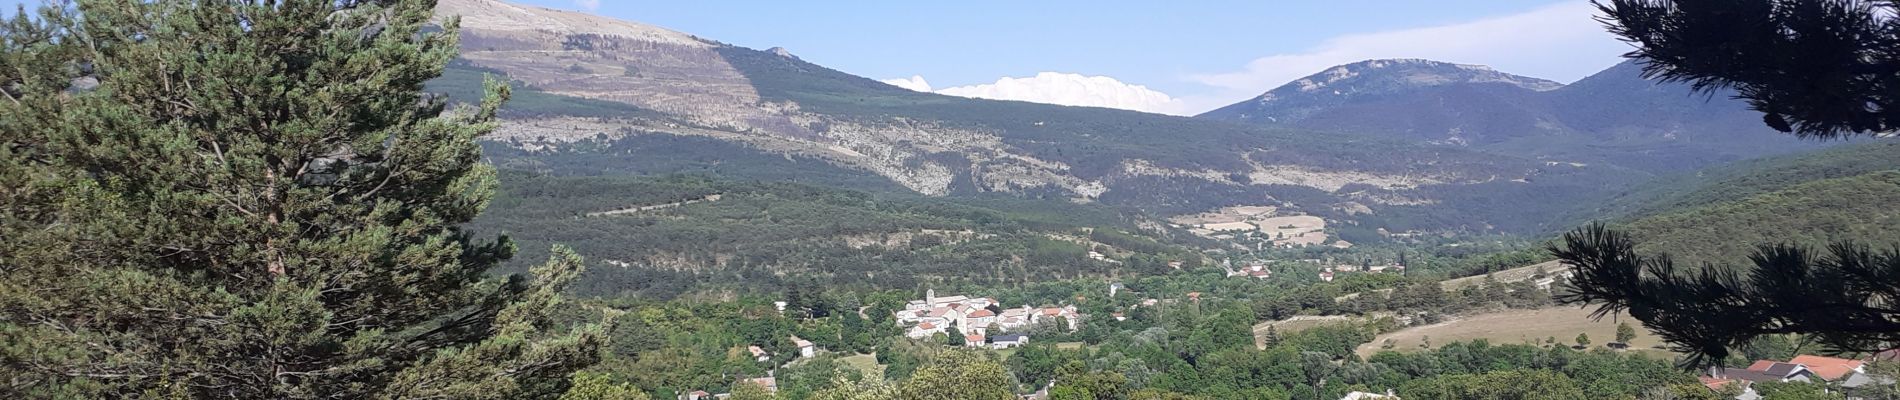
(1745,179)
(758,235)
(1858,208)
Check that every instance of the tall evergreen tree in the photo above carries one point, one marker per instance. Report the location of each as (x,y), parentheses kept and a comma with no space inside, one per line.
(254,199)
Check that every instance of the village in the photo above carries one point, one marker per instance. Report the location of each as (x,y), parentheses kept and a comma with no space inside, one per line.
(977,319)
(980,323)
(1835,372)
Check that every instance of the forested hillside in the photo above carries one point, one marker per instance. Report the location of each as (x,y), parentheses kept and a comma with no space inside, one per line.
(1745,179)
(708,236)
(1859,208)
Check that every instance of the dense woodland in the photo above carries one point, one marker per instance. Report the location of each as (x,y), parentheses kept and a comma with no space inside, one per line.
(762,235)
(1809,214)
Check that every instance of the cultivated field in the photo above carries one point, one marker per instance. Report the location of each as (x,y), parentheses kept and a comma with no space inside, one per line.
(1518,326)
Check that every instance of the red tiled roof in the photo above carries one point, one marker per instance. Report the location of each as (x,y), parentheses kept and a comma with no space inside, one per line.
(1828,368)
(1714,383)
(979,313)
(1762,365)
(927,325)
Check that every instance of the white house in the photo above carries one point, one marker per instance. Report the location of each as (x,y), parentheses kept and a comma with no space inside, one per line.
(1370,396)
(758,353)
(1008,341)
(805,348)
(977,321)
(923,330)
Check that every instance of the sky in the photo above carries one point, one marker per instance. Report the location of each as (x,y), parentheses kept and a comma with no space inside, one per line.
(1177,57)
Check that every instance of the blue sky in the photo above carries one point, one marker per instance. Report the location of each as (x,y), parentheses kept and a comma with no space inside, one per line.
(1187,56)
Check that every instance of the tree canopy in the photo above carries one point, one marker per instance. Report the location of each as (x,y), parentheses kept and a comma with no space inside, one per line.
(1843,298)
(1816,68)
(256,200)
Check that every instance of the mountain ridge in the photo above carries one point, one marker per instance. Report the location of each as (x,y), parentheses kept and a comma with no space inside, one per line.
(1346,82)
(1615,116)
(746,106)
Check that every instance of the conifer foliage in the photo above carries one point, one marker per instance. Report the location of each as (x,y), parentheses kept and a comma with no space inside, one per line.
(1815,68)
(255,199)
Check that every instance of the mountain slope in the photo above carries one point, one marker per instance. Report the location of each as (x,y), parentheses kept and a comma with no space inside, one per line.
(1816,213)
(1613,117)
(1679,192)
(662,237)
(698,105)
(1363,81)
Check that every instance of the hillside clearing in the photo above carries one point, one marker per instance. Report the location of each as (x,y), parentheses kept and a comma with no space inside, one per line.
(1296,324)
(866,363)
(1505,276)
(1516,327)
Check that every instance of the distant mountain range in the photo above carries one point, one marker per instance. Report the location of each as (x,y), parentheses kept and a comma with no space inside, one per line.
(1396,144)
(1615,116)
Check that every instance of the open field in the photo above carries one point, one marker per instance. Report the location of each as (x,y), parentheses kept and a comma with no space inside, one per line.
(866,363)
(1518,326)
(1509,275)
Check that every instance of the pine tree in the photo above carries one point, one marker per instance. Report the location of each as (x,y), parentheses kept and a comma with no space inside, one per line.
(1625,333)
(256,200)
(1814,68)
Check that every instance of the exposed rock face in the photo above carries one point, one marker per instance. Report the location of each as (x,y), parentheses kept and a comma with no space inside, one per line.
(583,55)
(587,56)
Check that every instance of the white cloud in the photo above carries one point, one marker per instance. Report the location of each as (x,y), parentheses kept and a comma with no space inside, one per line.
(589,5)
(1559,42)
(915,82)
(1063,89)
